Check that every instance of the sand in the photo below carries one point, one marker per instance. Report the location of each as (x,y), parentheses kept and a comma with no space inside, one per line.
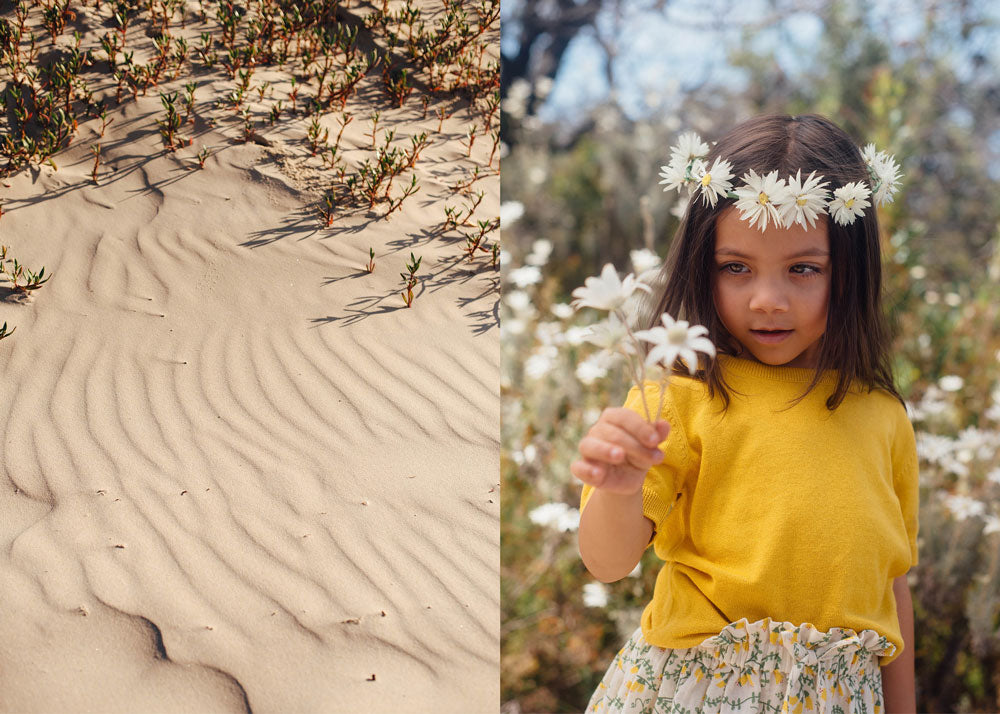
(239,474)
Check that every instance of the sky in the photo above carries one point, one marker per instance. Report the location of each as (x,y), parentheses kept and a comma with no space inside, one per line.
(662,53)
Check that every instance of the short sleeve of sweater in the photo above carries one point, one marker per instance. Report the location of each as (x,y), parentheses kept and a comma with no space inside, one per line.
(668,478)
(906,482)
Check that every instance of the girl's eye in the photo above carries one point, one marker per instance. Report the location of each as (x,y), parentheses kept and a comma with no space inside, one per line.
(733,268)
(803,269)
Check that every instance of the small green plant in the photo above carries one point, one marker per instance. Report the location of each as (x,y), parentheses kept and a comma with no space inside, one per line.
(411,280)
(326,211)
(16,273)
(202,155)
(4,332)
(371,260)
(375,117)
(395,203)
(95,149)
(172,124)
(317,137)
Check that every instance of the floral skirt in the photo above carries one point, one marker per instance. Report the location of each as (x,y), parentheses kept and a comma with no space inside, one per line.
(764,666)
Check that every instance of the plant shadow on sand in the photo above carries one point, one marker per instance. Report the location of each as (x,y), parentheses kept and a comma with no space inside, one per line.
(481,320)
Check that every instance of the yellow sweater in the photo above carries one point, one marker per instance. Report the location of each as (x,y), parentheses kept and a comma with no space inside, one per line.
(803,515)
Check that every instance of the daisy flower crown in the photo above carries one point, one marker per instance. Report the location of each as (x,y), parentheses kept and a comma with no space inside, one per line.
(783,202)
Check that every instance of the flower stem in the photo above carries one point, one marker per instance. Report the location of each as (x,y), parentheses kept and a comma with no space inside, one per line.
(639,377)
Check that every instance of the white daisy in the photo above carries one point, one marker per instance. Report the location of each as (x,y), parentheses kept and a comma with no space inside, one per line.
(556,515)
(849,202)
(804,201)
(676,340)
(688,147)
(886,172)
(525,275)
(518,301)
(715,181)
(609,334)
(644,259)
(541,249)
(590,370)
(510,212)
(758,196)
(607,292)
(562,310)
(595,595)
(675,175)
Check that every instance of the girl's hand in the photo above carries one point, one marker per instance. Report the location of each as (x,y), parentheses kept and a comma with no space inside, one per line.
(618,451)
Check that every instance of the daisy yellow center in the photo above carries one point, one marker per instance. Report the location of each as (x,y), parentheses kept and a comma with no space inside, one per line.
(801,201)
(677,334)
(849,203)
(706,179)
(762,198)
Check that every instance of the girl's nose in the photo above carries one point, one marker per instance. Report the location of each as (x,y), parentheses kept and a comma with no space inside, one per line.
(768,297)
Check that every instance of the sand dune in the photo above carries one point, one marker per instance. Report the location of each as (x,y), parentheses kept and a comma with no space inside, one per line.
(238,473)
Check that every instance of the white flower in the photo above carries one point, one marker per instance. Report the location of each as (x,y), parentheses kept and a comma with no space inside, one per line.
(591,369)
(994,476)
(963,507)
(512,326)
(679,210)
(609,334)
(575,335)
(510,212)
(607,292)
(886,172)
(541,362)
(556,515)
(541,249)
(595,595)
(676,340)
(517,300)
(849,202)
(951,383)
(562,310)
(758,196)
(714,181)
(644,260)
(549,333)
(688,148)
(992,525)
(934,448)
(525,275)
(674,175)
(804,201)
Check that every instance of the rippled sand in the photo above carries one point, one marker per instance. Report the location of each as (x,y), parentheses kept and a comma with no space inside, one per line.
(238,474)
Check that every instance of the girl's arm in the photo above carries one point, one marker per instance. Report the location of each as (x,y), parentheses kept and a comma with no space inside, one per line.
(613,534)
(615,455)
(898,686)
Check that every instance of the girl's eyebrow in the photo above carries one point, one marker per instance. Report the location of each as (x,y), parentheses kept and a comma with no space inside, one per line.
(807,252)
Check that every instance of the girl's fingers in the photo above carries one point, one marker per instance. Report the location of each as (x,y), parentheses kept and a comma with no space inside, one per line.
(647,434)
(606,477)
(589,472)
(608,437)
(597,449)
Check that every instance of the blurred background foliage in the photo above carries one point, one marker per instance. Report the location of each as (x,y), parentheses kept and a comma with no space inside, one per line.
(579,188)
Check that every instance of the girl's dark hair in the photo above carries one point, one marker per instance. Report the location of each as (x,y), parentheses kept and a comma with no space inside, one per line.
(856,341)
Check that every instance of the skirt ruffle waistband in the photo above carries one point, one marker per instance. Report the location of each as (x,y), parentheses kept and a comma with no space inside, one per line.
(740,642)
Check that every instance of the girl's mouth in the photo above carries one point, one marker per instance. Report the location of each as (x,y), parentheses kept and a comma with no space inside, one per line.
(770,336)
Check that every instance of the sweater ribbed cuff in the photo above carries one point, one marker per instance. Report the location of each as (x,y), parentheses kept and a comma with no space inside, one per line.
(653,507)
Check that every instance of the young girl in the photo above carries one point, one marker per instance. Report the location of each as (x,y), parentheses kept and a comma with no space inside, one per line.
(779,484)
